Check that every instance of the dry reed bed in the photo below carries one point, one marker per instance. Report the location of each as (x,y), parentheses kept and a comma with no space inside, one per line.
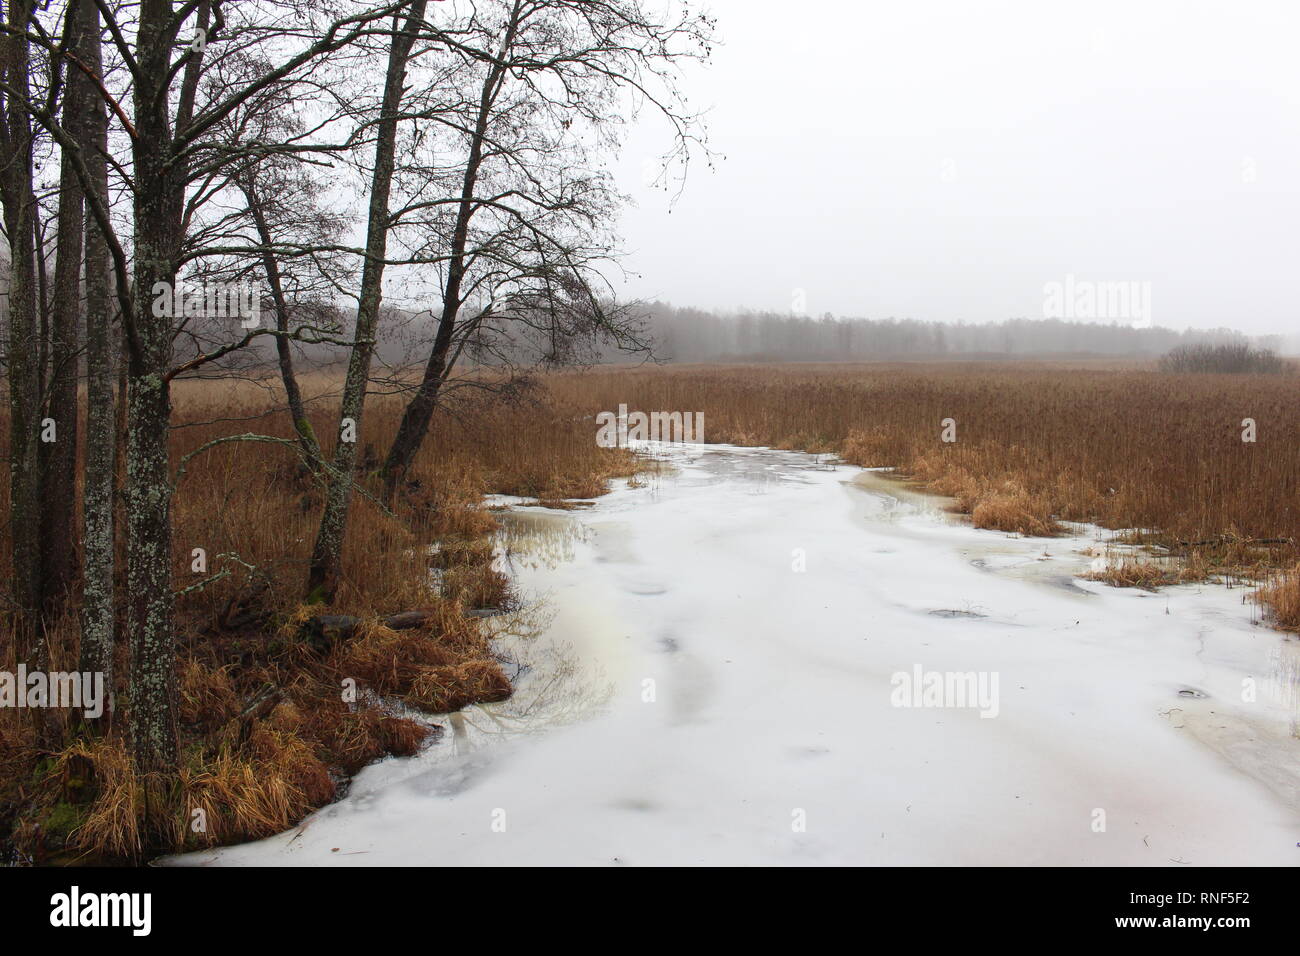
(1037,443)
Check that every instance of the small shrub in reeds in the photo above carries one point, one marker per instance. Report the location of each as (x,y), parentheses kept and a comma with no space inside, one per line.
(1223,359)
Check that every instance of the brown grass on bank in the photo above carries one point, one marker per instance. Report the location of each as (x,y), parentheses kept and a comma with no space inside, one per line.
(254,510)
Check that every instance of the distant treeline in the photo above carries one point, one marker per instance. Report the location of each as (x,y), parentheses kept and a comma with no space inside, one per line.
(694,335)
(680,334)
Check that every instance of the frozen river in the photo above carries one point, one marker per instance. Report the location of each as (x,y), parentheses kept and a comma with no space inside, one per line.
(718,667)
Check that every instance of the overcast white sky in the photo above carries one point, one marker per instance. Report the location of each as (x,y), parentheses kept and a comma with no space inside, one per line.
(944,160)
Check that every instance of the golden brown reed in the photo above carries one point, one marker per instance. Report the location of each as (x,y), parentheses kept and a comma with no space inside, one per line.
(1281,595)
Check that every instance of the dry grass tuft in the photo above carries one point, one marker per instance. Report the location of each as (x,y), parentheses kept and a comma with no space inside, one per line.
(1014,510)
(1282,598)
(1132,573)
(207,695)
(451,687)
(114,820)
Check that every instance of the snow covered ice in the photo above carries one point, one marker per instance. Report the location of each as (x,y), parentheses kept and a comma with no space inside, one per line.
(709,676)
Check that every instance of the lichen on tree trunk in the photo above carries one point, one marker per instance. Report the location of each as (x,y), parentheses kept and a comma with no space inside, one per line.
(97,623)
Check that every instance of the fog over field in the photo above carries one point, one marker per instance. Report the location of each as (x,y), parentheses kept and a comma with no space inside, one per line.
(943,161)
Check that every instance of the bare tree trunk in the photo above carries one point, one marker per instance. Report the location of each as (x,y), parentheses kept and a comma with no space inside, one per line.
(419,411)
(24,349)
(149,578)
(121,403)
(97,627)
(58,518)
(293,394)
(322,578)
(160,189)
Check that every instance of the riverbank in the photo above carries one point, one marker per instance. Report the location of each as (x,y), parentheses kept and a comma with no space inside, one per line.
(723,706)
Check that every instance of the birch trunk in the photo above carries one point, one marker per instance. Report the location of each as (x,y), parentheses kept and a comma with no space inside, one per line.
(160,190)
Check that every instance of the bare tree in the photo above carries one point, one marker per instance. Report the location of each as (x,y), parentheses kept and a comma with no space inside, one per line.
(258,203)
(481,158)
(529,225)
(322,579)
(168,148)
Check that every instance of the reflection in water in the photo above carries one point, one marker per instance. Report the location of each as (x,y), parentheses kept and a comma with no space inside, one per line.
(1083,714)
(896,497)
(1284,680)
(757,473)
(554,685)
(533,539)
(557,683)
(695,465)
